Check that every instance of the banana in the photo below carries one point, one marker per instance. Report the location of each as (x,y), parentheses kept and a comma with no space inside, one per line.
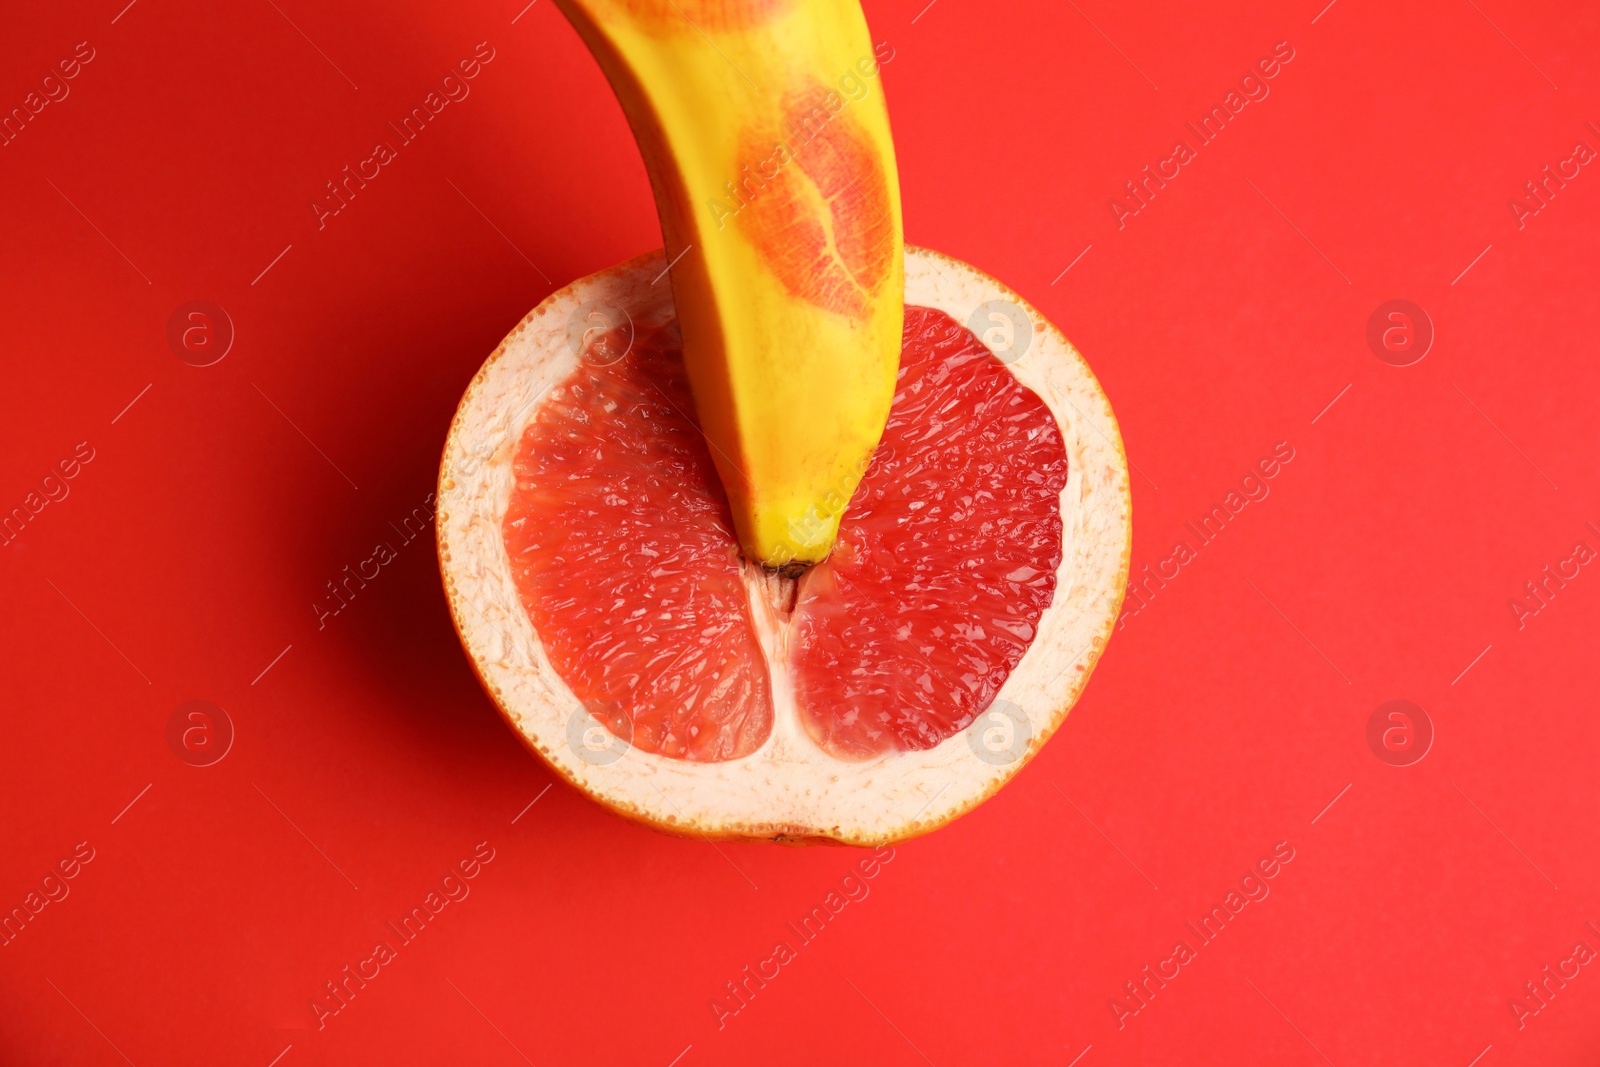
(764,131)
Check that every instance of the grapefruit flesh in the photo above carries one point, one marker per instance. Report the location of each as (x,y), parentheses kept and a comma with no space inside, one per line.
(946,556)
(623,553)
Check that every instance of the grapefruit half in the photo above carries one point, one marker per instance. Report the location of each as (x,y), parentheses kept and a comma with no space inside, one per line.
(595,579)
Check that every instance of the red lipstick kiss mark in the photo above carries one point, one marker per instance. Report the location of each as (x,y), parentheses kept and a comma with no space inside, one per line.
(822,222)
(702,16)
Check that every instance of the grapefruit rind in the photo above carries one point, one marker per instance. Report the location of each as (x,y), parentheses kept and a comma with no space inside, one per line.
(789,789)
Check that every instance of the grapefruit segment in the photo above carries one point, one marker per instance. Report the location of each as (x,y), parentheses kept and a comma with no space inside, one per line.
(946,556)
(623,550)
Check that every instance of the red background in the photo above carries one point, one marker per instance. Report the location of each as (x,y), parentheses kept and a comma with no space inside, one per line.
(1225,717)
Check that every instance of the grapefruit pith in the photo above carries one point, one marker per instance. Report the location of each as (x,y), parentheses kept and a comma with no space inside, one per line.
(596,579)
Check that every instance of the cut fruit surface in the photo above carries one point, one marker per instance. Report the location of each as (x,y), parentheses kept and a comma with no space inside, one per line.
(596,579)
(623,550)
